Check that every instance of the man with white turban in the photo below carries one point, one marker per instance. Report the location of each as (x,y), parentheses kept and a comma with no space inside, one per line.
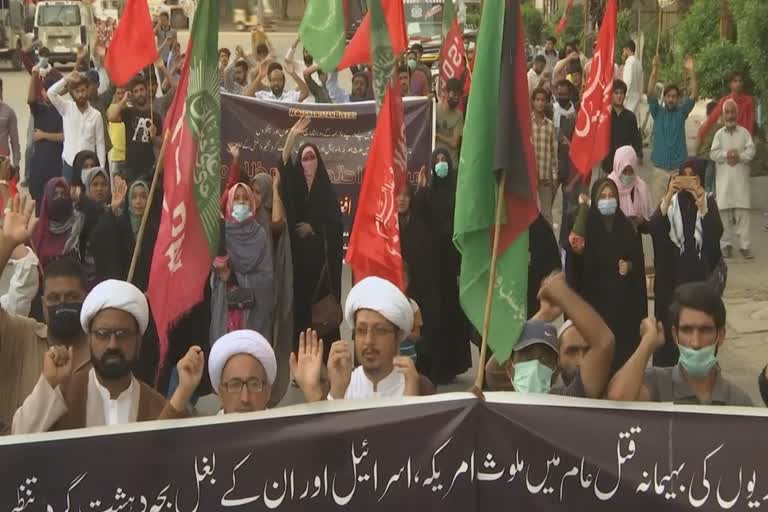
(381,317)
(242,367)
(114,317)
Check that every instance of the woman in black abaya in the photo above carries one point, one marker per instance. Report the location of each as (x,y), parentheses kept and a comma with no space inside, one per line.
(314,222)
(610,271)
(686,230)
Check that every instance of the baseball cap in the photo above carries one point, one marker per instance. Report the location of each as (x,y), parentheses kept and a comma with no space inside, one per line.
(537,331)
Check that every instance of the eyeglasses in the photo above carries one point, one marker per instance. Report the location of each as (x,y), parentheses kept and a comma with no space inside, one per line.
(235,386)
(120,335)
(376,331)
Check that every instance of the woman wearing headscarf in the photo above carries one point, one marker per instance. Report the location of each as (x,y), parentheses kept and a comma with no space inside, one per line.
(315,227)
(83,161)
(60,226)
(417,249)
(609,271)
(634,197)
(93,204)
(686,230)
(242,294)
(435,204)
(272,216)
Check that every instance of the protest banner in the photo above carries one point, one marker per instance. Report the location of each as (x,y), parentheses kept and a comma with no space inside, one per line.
(342,132)
(446,452)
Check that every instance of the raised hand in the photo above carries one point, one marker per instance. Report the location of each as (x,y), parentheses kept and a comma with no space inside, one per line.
(652,332)
(57,364)
(300,126)
(688,64)
(340,365)
(20,220)
(234,150)
(405,365)
(307,365)
(119,190)
(190,369)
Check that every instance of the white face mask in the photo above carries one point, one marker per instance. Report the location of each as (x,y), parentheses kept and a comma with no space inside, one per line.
(532,377)
(241,212)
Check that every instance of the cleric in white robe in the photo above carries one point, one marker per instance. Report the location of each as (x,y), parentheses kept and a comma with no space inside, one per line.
(381,317)
(114,315)
(242,367)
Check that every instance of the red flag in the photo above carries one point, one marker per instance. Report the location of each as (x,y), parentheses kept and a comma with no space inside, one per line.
(564,20)
(359,48)
(592,136)
(133,44)
(453,58)
(374,245)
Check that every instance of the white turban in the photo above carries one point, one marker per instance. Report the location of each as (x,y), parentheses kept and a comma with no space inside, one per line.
(241,342)
(114,294)
(385,298)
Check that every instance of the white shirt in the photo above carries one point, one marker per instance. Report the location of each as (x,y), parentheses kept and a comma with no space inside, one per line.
(732,181)
(360,387)
(533,81)
(633,77)
(82,130)
(286,97)
(18,284)
(558,112)
(122,410)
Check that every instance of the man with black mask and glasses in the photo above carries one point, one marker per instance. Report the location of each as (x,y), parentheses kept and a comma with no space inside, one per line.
(115,315)
(24,341)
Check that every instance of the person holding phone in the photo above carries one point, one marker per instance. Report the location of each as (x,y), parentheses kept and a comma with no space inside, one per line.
(686,231)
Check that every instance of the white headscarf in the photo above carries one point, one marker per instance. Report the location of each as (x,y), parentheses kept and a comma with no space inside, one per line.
(385,298)
(114,294)
(243,341)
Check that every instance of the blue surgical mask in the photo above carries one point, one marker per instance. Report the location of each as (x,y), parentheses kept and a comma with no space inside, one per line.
(412,64)
(627,179)
(241,212)
(43,62)
(607,206)
(697,363)
(441,169)
(532,377)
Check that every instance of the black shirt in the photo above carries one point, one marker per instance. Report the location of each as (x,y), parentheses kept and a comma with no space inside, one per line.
(139,146)
(624,132)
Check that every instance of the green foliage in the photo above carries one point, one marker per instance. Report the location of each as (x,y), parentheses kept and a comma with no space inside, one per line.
(533,21)
(623,31)
(715,64)
(752,38)
(698,29)
(574,28)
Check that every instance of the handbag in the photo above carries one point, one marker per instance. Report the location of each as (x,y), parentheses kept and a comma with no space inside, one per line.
(326,311)
(240,298)
(719,277)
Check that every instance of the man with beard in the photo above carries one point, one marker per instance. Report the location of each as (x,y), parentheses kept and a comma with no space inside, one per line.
(242,367)
(115,316)
(235,74)
(83,125)
(277,90)
(24,341)
(381,317)
(450,120)
(141,130)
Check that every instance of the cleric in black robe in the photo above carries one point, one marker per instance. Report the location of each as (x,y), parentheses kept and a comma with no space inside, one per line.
(417,250)
(611,248)
(435,205)
(315,207)
(543,259)
(689,252)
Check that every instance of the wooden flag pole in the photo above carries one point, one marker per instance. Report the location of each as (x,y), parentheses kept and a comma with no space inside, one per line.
(480,375)
(148,207)
(658,30)
(586,27)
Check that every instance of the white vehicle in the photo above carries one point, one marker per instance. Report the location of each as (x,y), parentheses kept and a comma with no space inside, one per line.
(11,31)
(64,25)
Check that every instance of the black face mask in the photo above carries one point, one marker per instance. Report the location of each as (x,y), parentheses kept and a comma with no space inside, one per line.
(64,320)
(61,208)
(308,61)
(112,365)
(565,103)
(453,102)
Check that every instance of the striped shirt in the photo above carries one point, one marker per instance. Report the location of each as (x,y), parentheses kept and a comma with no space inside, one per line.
(544,147)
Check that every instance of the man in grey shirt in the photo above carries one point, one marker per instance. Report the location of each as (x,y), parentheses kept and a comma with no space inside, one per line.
(9,131)
(698,329)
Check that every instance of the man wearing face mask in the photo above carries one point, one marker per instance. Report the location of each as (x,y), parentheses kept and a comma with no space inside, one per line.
(698,329)
(23,341)
(450,120)
(575,362)
(115,316)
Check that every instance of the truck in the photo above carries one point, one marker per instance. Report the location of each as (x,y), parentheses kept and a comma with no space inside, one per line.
(12,31)
(63,26)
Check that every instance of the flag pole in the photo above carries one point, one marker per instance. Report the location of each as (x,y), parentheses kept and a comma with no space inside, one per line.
(480,375)
(658,30)
(148,207)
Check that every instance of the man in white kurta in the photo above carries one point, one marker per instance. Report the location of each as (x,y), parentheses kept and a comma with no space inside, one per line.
(633,77)
(732,151)
(381,317)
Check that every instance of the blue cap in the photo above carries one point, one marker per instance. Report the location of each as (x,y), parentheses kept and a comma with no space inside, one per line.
(538,332)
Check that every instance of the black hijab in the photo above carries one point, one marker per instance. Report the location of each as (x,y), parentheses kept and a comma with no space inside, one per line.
(318,206)
(688,207)
(443,192)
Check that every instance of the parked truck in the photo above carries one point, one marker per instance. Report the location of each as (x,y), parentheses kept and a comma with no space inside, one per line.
(12,31)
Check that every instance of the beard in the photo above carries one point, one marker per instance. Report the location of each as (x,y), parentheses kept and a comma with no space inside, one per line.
(112,365)
(278,91)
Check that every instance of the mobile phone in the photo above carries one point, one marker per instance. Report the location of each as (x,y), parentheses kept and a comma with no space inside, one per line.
(687,182)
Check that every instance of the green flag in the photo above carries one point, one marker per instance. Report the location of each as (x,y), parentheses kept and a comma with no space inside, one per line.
(381,51)
(449,13)
(496,139)
(323,32)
